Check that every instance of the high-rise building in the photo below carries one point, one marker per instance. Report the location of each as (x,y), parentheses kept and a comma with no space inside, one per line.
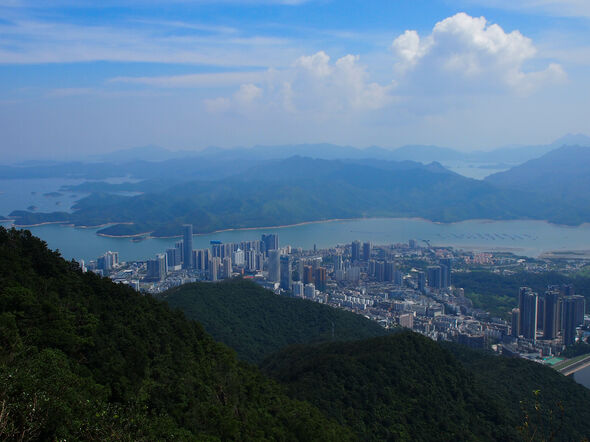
(286,273)
(157,268)
(274,268)
(406,320)
(179,246)
(515,322)
(238,257)
(355,251)
(529,323)
(367,251)
(371,268)
(307,274)
(421,277)
(270,242)
(550,313)
(298,289)
(434,277)
(203,256)
(446,266)
(173,256)
(338,263)
(380,271)
(569,320)
(320,278)
(227,267)
(521,294)
(580,304)
(187,246)
(540,311)
(309,291)
(389,274)
(214,268)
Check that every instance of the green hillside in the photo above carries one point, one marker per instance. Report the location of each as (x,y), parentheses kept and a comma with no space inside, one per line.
(84,359)
(256,323)
(407,387)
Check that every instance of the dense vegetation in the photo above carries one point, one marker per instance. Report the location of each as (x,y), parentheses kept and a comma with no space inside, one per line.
(406,387)
(257,323)
(525,390)
(83,358)
(302,189)
(403,387)
(498,293)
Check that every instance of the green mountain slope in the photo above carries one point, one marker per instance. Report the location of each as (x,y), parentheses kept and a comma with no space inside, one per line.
(406,387)
(256,323)
(82,358)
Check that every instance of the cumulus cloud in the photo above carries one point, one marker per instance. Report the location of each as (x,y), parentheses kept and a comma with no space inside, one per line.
(475,51)
(313,83)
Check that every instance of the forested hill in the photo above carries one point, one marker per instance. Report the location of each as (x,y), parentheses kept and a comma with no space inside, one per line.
(407,387)
(82,358)
(256,323)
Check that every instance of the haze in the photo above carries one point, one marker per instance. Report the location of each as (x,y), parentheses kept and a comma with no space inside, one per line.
(77,79)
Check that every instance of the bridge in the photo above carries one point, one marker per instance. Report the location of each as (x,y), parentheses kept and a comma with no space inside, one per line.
(573,365)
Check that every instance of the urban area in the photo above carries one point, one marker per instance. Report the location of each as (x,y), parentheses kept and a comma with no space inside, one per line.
(406,285)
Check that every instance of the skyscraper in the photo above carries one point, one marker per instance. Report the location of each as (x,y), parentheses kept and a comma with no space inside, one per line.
(187,246)
(355,251)
(214,266)
(521,294)
(389,271)
(569,326)
(550,310)
(270,242)
(446,266)
(366,251)
(515,322)
(529,323)
(286,278)
(320,278)
(274,268)
(434,277)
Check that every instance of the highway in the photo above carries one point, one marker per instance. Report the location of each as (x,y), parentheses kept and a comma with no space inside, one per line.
(574,367)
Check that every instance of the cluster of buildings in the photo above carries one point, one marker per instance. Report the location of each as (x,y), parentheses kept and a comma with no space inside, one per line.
(397,285)
(546,322)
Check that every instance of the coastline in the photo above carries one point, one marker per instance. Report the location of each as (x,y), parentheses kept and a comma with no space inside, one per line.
(148,234)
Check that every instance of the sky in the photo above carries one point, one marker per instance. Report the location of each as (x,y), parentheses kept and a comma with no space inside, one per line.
(79,77)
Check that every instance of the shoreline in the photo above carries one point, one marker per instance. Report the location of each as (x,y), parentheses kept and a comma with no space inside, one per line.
(148,234)
(136,235)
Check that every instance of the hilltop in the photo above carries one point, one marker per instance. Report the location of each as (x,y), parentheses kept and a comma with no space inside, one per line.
(256,323)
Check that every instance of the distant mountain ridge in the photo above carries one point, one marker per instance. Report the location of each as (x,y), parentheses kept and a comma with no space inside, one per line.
(562,174)
(327,151)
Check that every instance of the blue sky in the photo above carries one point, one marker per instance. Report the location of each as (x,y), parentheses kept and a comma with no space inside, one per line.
(77,78)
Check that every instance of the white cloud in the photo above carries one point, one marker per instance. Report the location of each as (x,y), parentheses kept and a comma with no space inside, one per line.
(470,49)
(315,85)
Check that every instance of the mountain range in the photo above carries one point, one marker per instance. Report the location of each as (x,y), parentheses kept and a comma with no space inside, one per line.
(298,189)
